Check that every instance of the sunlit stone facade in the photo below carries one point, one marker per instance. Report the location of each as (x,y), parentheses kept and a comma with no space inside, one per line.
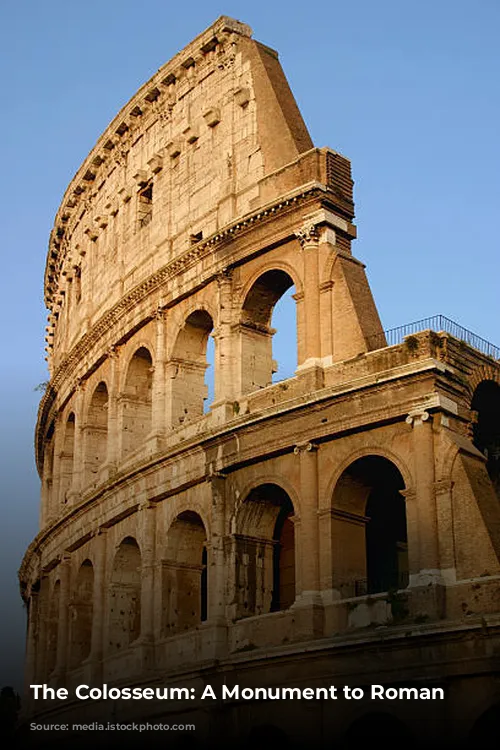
(341,526)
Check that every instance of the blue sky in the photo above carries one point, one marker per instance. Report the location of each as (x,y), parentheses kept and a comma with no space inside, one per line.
(409,91)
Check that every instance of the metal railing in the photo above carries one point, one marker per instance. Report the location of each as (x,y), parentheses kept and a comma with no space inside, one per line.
(436,323)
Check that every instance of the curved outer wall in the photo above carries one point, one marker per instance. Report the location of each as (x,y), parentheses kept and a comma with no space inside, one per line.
(177,541)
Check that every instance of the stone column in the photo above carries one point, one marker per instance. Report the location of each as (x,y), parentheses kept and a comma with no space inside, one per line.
(225,377)
(217,570)
(147,539)
(79,448)
(308,237)
(159,408)
(309,537)
(425,498)
(446,537)
(30,675)
(63,624)
(99,614)
(113,433)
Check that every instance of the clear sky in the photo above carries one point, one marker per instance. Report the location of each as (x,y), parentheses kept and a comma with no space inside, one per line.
(409,91)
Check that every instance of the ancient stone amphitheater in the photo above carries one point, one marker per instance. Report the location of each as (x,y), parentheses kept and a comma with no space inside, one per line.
(340,527)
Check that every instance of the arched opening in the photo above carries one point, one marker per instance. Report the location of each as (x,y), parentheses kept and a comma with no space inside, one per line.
(48,473)
(184,583)
(136,401)
(486,433)
(53,628)
(81,615)
(191,383)
(369,536)
(96,432)
(67,458)
(125,596)
(259,353)
(378,729)
(265,552)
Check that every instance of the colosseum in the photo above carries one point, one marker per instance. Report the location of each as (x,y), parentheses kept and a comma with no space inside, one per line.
(340,527)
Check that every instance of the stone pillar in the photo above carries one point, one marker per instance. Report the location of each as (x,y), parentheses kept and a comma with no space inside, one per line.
(423,455)
(428,596)
(446,537)
(217,569)
(309,537)
(147,539)
(159,409)
(113,429)
(308,237)
(63,624)
(79,448)
(225,377)
(99,614)
(217,582)
(30,675)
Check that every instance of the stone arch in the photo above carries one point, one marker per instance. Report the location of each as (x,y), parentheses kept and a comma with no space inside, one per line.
(486,429)
(48,471)
(264,551)
(378,728)
(52,627)
(187,368)
(81,611)
(368,528)
(67,457)
(371,450)
(255,331)
(136,401)
(185,574)
(125,596)
(478,374)
(96,432)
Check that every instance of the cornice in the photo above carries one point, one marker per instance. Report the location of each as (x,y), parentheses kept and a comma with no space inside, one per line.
(212,49)
(153,283)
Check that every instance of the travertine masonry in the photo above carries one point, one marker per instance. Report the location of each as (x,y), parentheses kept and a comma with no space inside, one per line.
(271,535)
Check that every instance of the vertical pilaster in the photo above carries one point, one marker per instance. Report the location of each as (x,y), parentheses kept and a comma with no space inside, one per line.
(159,377)
(217,570)
(113,429)
(99,615)
(225,377)
(308,458)
(308,237)
(31,645)
(79,449)
(425,498)
(147,537)
(62,627)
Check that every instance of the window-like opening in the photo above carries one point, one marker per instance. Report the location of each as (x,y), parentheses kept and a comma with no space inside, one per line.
(136,402)
(145,206)
(265,552)
(81,609)
(369,536)
(192,385)
(125,596)
(67,458)
(77,285)
(264,359)
(185,580)
(96,433)
(486,434)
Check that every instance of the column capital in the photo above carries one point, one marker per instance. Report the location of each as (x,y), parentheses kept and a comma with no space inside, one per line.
(308,234)
(417,416)
(305,448)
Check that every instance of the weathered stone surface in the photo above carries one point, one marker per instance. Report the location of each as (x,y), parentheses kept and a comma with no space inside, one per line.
(272,536)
